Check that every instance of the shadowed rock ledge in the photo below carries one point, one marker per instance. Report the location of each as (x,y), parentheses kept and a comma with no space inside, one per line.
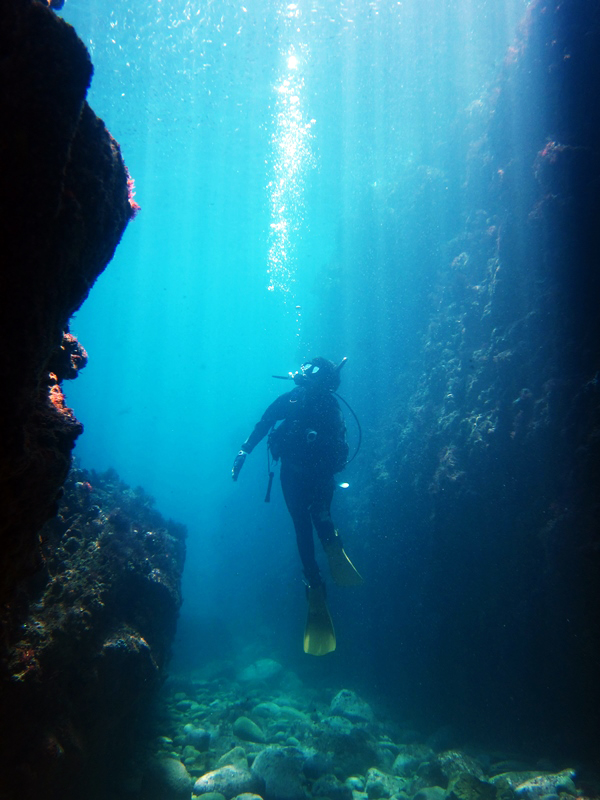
(88,604)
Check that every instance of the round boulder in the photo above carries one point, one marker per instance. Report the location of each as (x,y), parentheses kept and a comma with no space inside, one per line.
(262,670)
(468,787)
(430,793)
(166,779)
(380,784)
(228,781)
(197,737)
(280,769)
(247,730)
(454,763)
(248,796)
(410,757)
(236,756)
(266,709)
(349,705)
(549,784)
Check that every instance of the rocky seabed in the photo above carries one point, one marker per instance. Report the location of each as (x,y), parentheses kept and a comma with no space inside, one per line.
(263,735)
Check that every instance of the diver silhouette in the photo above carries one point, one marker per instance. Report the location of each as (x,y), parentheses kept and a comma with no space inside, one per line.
(311,444)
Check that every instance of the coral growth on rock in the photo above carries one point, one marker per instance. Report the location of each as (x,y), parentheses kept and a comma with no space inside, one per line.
(91,650)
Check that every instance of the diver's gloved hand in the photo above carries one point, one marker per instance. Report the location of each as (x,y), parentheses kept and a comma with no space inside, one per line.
(238,464)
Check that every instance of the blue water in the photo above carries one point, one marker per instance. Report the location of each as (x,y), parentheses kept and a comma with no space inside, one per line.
(270,144)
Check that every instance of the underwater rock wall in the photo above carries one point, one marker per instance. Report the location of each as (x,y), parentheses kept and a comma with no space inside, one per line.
(64,204)
(511,452)
(89,656)
(488,473)
(88,604)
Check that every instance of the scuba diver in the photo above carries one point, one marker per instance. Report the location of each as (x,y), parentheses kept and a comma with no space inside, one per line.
(311,444)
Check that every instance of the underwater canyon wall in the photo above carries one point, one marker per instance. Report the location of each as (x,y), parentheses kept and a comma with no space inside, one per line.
(88,658)
(481,505)
(88,602)
(64,205)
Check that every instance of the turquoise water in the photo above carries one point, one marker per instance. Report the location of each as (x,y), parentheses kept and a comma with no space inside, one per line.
(270,145)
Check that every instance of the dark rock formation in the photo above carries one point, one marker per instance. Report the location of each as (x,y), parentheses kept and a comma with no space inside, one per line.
(64,204)
(89,655)
(503,426)
(485,501)
(88,603)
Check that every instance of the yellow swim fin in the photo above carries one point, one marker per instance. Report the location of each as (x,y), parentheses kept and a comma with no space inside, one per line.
(319,635)
(343,571)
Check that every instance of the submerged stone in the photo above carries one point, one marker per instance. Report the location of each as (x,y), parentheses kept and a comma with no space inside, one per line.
(430,793)
(355,783)
(337,726)
(410,757)
(551,784)
(513,778)
(280,769)
(349,705)
(262,670)
(469,787)
(166,779)
(454,763)
(317,763)
(380,784)
(291,713)
(235,757)
(248,796)
(329,786)
(228,781)
(197,737)
(247,730)
(266,709)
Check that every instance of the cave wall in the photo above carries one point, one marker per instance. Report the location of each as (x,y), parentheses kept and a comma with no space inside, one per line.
(503,427)
(481,505)
(89,573)
(64,204)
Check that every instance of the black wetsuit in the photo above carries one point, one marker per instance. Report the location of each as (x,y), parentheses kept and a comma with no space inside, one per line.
(311,443)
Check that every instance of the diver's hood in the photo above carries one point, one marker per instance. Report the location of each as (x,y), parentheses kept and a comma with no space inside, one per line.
(320,373)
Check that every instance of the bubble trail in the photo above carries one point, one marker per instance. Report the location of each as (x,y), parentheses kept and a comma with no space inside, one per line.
(291,157)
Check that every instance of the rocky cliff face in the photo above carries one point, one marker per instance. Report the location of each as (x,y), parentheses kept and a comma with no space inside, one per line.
(484,501)
(89,602)
(64,205)
(89,654)
(503,426)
